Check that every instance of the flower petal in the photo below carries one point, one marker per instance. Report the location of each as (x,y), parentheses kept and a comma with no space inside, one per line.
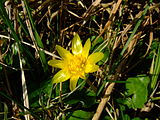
(73,82)
(91,68)
(76,45)
(82,75)
(63,52)
(61,76)
(56,63)
(95,57)
(86,48)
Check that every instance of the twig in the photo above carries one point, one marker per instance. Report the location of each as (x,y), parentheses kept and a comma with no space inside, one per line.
(90,9)
(29,26)
(43,6)
(108,91)
(111,18)
(24,87)
(150,37)
(103,102)
(45,51)
(5,65)
(109,113)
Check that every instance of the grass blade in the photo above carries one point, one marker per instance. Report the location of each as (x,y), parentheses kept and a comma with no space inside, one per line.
(37,38)
(8,22)
(156,70)
(134,30)
(2,94)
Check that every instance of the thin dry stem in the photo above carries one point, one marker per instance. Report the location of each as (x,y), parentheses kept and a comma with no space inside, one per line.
(103,102)
(24,87)
(29,26)
(45,51)
(111,18)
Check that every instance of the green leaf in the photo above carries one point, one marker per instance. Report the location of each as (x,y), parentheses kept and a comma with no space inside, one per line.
(36,92)
(137,86)
(137,118)
(8,59)
(81,115)
(100,40)
(126,101)
(87,98)
(15,48)
(98,45)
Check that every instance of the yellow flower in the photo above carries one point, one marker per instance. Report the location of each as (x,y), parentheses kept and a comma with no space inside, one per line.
(76,65)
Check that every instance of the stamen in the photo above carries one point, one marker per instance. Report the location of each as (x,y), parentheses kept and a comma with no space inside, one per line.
(77,65)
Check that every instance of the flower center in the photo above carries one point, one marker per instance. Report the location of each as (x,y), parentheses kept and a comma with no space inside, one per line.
(77,65)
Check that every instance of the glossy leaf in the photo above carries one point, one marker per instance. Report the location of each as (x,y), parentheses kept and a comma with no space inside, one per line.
(137,87)
(81,115)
